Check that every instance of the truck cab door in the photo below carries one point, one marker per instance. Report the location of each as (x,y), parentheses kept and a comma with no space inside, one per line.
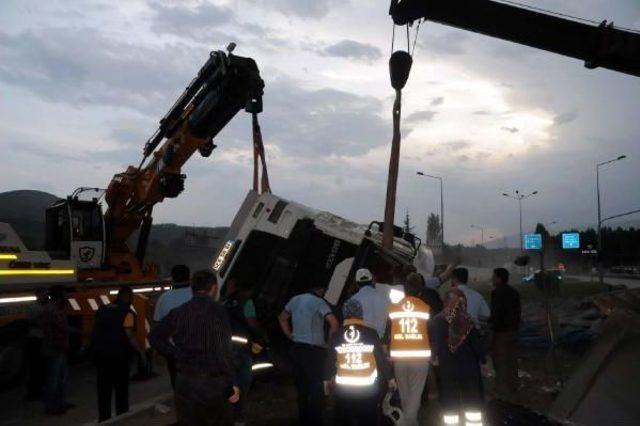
(75,231)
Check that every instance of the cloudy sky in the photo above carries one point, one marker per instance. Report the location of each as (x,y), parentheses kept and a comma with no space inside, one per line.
(83,84)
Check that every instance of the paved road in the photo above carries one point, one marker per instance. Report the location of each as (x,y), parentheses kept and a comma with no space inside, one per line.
(81,390)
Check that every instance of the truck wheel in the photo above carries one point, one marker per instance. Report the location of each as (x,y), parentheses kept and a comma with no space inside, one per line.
(11,365)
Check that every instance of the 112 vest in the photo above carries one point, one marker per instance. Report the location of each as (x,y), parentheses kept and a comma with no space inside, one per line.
(355,362)
(409,337)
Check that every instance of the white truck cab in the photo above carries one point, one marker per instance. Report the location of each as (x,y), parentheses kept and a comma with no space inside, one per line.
(282,248)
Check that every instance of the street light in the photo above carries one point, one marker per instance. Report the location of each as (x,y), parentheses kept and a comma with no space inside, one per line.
(441,205)
(519,197)
(598,165)
(481,233)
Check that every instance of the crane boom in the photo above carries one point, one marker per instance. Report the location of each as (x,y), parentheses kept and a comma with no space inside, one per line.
(597,45)
(224,85)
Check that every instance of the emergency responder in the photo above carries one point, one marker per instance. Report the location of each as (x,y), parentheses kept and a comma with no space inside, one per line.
(247,337)
(198,335)
(179,294)
(409,347)
(374,301)
(113,344)
(308,313)
(357,370)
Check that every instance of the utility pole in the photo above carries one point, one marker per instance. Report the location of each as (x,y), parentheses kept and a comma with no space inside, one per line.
(519,197)
(441,204)
(600,263)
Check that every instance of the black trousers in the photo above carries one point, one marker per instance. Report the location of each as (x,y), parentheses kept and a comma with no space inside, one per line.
(308,365)
(202,401)
(505,361)
(35,368)
(357,411)
(113,375)
(171,366)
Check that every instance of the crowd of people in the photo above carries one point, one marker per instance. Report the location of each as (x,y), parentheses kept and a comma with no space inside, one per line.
(382,346)
(370,349)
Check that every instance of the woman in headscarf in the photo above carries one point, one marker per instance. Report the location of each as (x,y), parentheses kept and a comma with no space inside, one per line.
(457,350)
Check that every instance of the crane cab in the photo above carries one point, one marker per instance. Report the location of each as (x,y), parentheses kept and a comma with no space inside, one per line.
(75,230)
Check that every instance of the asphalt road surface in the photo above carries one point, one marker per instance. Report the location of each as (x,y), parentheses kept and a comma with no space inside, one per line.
(81,391)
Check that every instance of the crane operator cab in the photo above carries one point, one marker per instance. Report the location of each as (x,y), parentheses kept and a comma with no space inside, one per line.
(75,230)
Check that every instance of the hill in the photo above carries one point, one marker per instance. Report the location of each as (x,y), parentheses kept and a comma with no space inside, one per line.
(24,210)
(169,244)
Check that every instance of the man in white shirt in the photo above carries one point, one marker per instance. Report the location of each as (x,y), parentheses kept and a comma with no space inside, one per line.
(374,301)
(477,307)
(302,320)
(179,294)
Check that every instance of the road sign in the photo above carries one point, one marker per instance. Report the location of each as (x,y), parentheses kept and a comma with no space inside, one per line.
(570,240)
(533,241)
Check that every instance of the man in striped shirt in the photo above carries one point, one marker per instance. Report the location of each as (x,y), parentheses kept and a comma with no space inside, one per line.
(198,335)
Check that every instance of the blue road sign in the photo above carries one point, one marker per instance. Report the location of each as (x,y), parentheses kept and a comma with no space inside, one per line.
(570,240)
(533,241)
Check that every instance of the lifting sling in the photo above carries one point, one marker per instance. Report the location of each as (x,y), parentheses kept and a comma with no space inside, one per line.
(259,159)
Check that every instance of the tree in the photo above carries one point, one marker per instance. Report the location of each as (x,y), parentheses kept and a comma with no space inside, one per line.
(407,228)
(434,230)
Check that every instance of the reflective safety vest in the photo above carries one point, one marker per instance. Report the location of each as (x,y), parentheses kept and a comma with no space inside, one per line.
(355,362)
(409,337)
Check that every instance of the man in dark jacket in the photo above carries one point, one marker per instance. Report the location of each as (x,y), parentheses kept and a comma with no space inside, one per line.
(198,335)
(55,345)
(505,322)
(113,344)
(358,369)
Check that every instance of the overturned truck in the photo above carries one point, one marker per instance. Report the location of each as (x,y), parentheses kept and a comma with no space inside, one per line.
(282,248)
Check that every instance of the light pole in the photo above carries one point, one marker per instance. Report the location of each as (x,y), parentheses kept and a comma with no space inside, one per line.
(481,233)
(598,165)
(441,205)
(519,197)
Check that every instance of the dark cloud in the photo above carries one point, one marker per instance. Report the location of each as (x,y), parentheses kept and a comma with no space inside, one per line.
(419,116)
(129,135)
(196,22)
(442,42)
(84,67)
(482,155)
(510,129)
(322,122)
(437,101)
(302,8)
(565,118)
(352,49)
(458,145)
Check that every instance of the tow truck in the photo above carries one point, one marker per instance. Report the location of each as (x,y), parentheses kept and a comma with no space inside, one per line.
(87,250)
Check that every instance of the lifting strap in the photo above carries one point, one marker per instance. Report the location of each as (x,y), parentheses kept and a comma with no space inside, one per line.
(259,159)
(392,179)
(399,68)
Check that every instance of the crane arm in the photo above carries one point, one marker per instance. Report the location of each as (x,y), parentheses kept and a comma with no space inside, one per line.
(597,45)
(224,85)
